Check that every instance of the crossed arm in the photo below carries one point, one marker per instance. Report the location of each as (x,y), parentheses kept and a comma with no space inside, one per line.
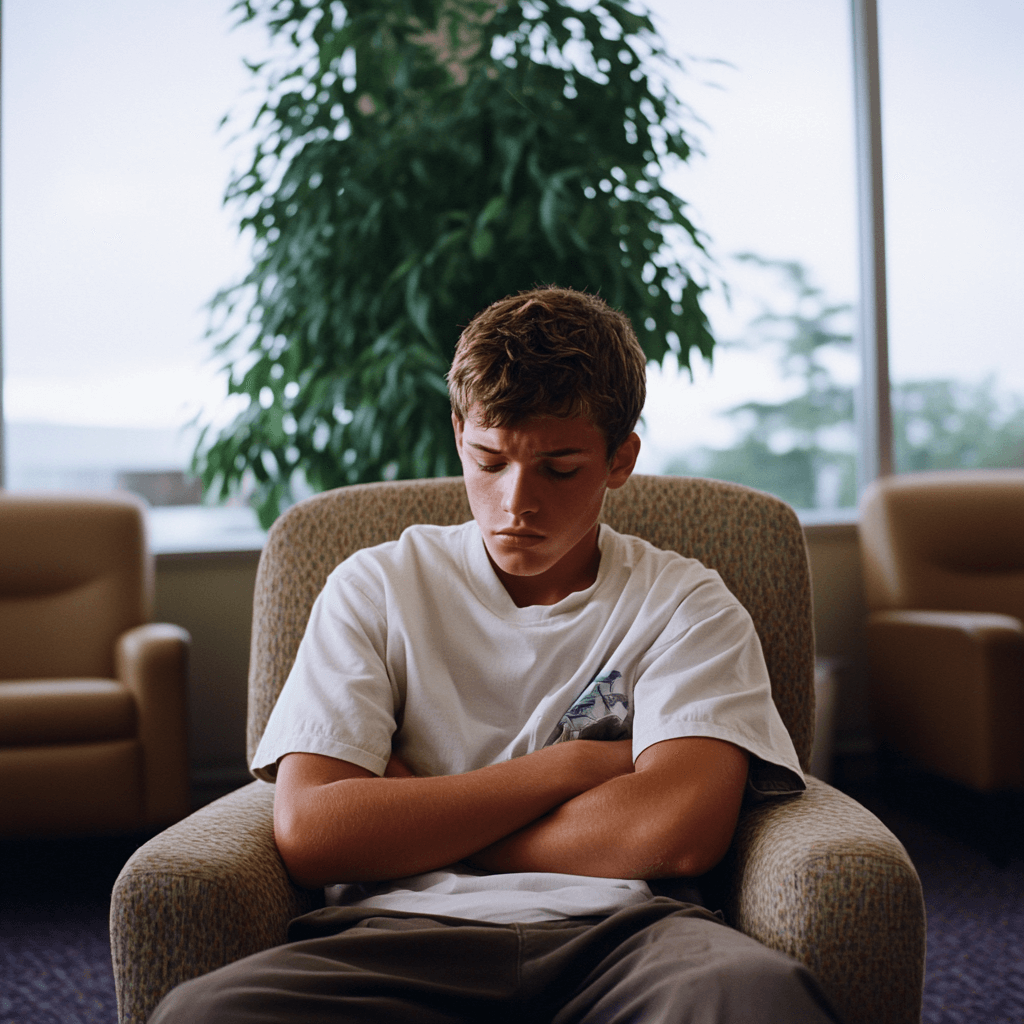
(580,807)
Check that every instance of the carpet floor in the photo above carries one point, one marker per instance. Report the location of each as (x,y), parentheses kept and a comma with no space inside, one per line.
(54,897)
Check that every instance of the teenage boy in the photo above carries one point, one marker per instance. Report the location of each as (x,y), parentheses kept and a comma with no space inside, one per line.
(494,734)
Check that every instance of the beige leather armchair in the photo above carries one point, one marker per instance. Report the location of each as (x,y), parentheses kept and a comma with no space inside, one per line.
(817,876)
(943,562)
(92,695)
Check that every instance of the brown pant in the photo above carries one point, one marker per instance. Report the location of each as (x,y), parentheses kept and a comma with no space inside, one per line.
(659,962)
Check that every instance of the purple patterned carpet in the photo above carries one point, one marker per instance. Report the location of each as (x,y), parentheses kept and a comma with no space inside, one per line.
(54,947)
(975,966)
(970,857)
(55,959)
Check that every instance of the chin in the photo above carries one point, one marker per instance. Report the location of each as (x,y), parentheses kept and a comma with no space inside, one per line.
(521,566)
(520,563)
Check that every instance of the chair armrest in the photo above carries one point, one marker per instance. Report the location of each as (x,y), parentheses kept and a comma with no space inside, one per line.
(947,691)
(981,627)
(207,891)
(152,662)
(820,878)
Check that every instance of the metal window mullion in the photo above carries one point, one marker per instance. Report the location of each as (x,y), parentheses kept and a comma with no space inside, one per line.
(3,436)
(874,408)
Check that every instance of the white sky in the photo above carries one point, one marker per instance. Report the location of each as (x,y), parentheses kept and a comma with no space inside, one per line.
(953,121)
(114,233)
(114,236)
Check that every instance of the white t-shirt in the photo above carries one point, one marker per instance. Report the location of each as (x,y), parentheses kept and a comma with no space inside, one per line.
(415,647)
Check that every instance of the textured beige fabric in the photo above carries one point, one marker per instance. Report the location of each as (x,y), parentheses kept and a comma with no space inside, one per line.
(208,891)
(817,875)
(305,544)
(92,697)
(943,557)
(704,519)
(822,879)
(756,544)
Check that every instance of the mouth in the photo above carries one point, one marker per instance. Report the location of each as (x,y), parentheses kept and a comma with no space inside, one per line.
(524,537)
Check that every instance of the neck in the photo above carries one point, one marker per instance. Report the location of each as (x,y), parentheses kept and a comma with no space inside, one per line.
(576,571)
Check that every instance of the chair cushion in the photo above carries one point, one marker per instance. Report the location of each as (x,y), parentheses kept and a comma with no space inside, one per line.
(945,541)
(49,711)
(74,575)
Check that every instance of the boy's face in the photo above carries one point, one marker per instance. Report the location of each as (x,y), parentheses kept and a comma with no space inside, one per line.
(536,491)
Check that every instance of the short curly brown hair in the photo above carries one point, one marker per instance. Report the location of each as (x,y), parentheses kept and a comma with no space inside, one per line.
(551,352)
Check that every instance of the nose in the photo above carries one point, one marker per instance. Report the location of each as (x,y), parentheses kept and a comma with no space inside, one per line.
(518,498)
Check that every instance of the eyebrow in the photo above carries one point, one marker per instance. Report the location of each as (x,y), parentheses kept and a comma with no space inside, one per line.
(556,454)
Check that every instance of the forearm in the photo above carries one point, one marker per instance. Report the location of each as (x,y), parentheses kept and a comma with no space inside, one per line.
(659,822)
(367,828)
(599,833)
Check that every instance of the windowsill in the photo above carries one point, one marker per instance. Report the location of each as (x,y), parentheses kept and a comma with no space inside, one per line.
(822,525)
(202,530)
(827,516)
(199,530)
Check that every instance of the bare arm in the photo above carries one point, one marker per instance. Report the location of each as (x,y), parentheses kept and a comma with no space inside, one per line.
(673,817)
(337,822)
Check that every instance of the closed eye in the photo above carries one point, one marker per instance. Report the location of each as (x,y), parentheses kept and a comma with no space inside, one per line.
(558,474)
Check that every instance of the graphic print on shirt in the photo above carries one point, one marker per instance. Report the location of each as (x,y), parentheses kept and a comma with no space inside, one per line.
(601,712)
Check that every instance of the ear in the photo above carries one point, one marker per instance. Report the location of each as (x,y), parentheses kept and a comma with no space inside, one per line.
(457,426)
(623,462)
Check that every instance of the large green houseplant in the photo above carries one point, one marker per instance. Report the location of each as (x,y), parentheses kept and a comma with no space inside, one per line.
(416,160)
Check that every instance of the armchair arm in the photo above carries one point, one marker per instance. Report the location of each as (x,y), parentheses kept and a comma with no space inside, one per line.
(821,878)
(152,662)
(207,891)
(948,690)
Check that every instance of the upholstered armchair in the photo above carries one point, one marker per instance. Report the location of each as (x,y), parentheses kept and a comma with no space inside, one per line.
(943,563)
(92,694)
(817,875)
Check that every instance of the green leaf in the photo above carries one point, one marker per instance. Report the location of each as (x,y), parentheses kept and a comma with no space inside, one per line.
(372,252)
(482,243)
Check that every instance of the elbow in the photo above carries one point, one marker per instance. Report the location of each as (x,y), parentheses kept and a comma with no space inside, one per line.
(293,848)
(698,861)
(304,849)
(685,855)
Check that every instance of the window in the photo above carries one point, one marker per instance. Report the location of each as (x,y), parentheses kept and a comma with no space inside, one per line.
(114,237)
(952,110)
(775,410)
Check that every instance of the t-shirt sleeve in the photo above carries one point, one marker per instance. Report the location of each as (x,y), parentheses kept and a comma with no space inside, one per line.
(706,676)
(338,699)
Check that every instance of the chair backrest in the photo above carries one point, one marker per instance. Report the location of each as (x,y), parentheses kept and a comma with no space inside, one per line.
(75,573)
(754,541)
(945,541)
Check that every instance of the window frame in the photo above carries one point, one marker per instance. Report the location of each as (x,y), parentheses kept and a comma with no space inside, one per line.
(874,408)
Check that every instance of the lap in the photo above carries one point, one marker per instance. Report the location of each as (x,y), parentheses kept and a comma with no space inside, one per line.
(662,961)
(692,971)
